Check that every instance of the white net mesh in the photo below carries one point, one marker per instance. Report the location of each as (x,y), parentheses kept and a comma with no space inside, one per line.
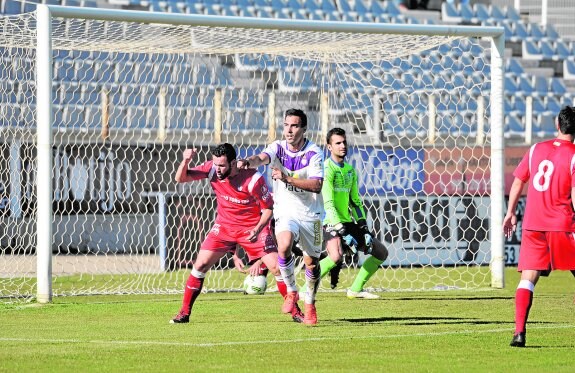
(128,98)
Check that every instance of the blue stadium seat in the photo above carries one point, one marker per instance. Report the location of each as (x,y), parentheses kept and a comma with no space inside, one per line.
(521,32)
(11,7)
(467,14)
(514,126)
(481,12)
(176,117)
(125,73)
(557,87)
(561,50)
(254,120)
(513,67)
(547,50)
(524,85)
(496,13)
(360,7)
(546,124)
(569,69)
(538,106)
(531,50)
(535,31)
(551,33)
(552,104)
(511,14)
(541,85)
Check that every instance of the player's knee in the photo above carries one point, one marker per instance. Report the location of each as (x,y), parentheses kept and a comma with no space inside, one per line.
(380,252)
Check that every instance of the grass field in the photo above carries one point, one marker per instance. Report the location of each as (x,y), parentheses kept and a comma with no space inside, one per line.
(440,331)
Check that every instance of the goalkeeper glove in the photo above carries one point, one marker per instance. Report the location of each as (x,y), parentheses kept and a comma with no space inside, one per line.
(346,237)
(366,234)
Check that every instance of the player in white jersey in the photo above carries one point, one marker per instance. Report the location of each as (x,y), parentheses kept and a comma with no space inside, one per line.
(297,173)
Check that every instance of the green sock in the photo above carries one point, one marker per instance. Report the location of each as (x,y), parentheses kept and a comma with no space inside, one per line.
(325,265)
(367,270)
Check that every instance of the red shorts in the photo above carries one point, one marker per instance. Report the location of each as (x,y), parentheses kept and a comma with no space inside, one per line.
(542,251)
(225,239)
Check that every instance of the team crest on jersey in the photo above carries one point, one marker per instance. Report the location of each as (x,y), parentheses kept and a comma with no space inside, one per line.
(215,229)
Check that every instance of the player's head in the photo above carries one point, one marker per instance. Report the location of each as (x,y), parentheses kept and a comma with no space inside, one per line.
(336,143)
(295,126)
(566,120)
(224,159)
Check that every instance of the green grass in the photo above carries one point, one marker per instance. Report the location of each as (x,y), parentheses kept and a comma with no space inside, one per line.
(441,331)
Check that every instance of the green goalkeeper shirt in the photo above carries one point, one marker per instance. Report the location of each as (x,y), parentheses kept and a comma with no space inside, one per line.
(340,194)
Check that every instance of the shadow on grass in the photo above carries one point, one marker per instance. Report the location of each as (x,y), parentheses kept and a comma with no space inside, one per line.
(429,320)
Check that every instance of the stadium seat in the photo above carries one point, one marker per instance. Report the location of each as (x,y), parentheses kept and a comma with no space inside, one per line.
(514,126)
(557,87)
(524,85)
(552,104)
(569,69)
(531,50)
(546,125)
(535,31)
(541,85)
(513,67)
(551,33)
(11,7)
(511,14)
(254,120)
(547,50)
(481,12)
(449,13)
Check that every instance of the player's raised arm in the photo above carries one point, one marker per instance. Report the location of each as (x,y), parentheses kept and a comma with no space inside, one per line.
(185,173)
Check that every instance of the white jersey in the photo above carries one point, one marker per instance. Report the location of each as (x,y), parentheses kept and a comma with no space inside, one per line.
(306,163)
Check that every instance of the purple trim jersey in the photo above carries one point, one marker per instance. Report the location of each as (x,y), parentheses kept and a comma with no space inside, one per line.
(306,163)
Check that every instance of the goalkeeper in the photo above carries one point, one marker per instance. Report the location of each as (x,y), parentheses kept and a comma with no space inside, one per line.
(342,202)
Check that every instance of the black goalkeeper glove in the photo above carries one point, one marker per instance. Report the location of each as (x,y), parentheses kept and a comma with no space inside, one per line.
(368,237)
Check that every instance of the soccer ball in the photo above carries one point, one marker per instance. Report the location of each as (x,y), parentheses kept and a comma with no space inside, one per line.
(255,285)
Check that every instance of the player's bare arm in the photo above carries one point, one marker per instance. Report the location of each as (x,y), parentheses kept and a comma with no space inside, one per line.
(182,175)
(264,221)
(309,185)
(254,161)
(510,220)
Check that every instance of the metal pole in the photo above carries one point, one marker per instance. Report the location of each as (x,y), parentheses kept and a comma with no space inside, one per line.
(44,157)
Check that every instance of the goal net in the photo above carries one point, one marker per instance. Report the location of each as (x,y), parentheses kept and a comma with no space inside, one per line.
(97,112)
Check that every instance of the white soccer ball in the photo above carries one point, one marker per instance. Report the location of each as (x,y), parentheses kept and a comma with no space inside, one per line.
(255,285)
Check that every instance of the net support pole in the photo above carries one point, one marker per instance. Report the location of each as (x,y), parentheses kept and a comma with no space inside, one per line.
(44,156)
(528,120)
(271,117)
(162,114)
(480,138)
(218,123)
(431,119)
(324,110)
(105,109)
(497,175)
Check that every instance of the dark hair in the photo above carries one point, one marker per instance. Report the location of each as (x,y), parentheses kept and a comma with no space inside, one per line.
(297,113)
(334,131)
(566,119)
(225,149)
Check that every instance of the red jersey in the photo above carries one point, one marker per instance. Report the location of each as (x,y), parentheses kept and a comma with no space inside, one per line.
(548,167)
(240,198)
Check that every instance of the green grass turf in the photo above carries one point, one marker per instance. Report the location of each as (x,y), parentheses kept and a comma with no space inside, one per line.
(439,331)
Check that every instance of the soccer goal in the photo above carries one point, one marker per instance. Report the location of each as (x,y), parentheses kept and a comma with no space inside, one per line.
(98,105)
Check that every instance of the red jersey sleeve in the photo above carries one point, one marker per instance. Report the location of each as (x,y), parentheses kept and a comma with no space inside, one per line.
(522,171)
(201,171)
(261,192)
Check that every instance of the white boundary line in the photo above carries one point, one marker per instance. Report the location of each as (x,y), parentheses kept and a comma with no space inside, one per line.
(238,343)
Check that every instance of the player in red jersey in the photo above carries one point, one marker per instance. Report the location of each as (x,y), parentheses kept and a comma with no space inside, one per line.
(548,234)
(243,214)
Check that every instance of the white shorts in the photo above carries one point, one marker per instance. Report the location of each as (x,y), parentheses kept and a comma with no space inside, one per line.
(308,233)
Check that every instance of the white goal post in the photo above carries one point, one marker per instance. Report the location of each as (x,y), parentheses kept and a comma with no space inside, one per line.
(341,73)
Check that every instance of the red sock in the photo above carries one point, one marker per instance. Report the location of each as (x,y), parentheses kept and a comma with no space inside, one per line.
(191,292)
(523,301)
(282,288)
